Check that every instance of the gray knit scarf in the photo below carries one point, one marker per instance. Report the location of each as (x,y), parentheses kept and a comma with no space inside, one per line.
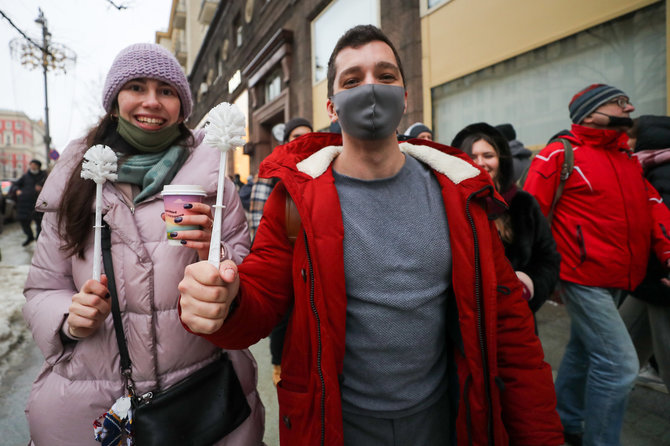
(150,171)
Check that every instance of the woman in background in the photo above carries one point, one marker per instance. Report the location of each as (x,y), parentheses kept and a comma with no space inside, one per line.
(524,231)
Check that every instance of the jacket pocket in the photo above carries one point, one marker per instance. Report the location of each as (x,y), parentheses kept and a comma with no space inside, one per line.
(295,422)
(581,245)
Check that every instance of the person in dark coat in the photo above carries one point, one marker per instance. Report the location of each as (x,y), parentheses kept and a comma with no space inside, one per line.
(27,189)
(525,232)
(647,313)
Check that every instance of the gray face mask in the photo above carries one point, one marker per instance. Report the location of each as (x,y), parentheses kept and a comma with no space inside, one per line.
(370,111)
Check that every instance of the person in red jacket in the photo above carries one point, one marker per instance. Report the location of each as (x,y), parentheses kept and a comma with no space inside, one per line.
(605,224)
(408,325)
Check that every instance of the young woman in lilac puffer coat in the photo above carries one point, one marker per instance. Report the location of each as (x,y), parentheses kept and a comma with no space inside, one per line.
(147,98)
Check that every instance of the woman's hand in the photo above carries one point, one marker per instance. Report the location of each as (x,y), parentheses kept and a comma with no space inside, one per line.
(197,239)
(527,283)
(89,309)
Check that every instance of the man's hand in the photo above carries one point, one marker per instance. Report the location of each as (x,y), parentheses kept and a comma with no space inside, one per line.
(89,309)
(206,295)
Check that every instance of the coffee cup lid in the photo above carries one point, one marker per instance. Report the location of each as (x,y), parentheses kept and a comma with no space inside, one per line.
(183,189)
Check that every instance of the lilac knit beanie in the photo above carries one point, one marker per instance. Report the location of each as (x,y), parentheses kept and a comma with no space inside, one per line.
(148,60)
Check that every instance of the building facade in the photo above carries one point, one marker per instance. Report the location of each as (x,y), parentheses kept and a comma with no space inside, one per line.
(21,140)
(521,61)
(517,61)
(269,57)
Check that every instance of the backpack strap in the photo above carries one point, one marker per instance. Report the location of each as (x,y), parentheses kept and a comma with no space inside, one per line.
(566,171)
(291,219)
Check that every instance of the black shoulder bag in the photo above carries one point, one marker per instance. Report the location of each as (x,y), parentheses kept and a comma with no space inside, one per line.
(198,410)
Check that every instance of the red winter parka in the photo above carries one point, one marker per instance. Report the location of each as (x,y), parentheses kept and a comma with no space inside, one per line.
(505,393)
(608,216)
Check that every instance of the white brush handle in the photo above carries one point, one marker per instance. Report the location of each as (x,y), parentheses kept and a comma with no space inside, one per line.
(97,250)
(215,242)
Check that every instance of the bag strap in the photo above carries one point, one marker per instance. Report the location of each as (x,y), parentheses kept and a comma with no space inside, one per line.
(126,365)
(566,171)
(291,219)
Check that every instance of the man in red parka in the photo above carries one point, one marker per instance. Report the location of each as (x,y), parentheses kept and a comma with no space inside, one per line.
(605,224)
(408,325)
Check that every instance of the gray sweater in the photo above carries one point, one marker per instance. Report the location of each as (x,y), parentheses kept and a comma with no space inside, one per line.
(397,269)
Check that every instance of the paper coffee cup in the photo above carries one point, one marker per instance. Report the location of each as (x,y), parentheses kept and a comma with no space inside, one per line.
(175,196)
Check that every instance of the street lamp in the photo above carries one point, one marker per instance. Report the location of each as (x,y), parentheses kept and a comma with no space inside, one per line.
(50,56)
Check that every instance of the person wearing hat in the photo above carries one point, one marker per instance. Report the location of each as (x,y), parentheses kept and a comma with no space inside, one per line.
(27,188)
(293,129)
(605,223)
(524,231)
(420,131)
(146,98)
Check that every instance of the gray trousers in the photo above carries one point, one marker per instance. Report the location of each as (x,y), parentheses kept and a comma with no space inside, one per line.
(649,328)
(429,427)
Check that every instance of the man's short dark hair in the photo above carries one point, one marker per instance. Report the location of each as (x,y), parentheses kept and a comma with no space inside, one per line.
(357,37)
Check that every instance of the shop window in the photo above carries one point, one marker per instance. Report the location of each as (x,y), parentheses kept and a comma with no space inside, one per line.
(434,3)
(532,91)
(332,23)
(237,29)
(273,87)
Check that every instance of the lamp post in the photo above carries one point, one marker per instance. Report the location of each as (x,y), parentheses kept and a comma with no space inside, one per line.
(46,35)
(51,57)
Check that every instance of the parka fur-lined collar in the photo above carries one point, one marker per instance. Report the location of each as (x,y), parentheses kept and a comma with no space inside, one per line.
(452,167)
(310,156)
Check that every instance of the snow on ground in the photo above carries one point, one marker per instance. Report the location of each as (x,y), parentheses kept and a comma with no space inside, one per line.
(13,329)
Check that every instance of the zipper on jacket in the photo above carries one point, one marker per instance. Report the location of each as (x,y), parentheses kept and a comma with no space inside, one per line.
(318,338)
(664,231)
(480,316)
(582,245)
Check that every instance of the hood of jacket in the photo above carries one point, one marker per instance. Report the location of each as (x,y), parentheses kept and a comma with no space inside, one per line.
(518,150)
(606,139)
(309,157)
(653,132)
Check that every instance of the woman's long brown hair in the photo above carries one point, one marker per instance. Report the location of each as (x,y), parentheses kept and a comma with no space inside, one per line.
(75,219)
(504,221)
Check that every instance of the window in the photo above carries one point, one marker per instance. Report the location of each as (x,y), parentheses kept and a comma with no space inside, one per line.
(219,63)
(237,27)
(8,139)
(433,3)
(332,23)
(19,139)
(19,125)
(532,91)
(273,86)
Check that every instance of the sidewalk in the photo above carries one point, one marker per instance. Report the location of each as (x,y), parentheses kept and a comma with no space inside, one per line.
(647,420)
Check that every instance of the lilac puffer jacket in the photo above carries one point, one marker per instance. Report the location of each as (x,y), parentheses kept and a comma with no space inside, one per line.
(81,380)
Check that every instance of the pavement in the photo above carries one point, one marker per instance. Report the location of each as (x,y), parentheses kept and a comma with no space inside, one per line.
(647,420)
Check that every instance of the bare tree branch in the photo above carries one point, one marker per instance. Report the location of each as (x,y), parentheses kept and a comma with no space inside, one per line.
(119,6)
